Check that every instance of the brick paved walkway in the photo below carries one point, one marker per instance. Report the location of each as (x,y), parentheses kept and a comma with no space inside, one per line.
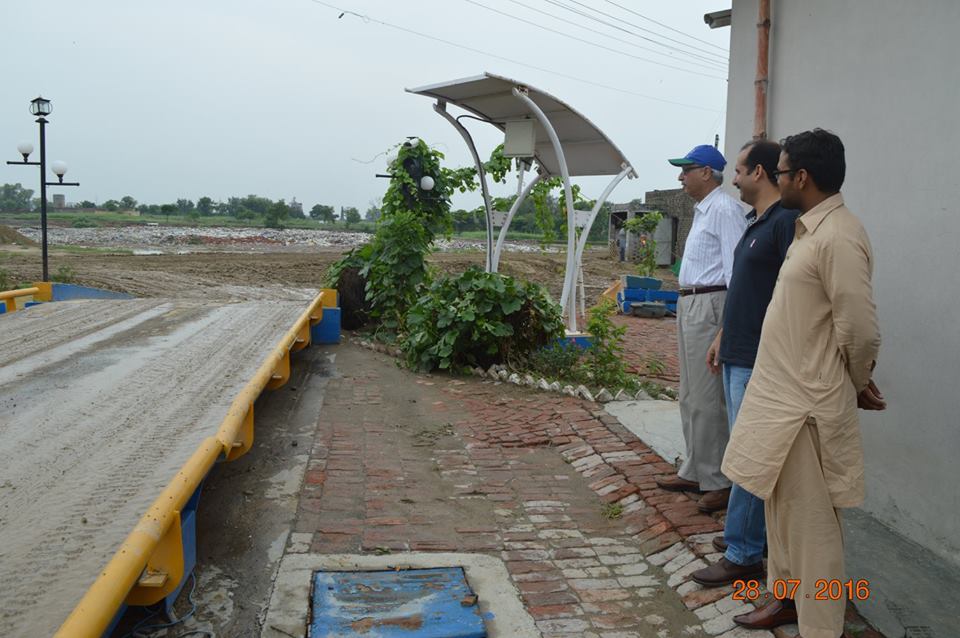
(553,485)
(651,339)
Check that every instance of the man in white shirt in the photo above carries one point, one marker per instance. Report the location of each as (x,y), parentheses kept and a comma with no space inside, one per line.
(718,222)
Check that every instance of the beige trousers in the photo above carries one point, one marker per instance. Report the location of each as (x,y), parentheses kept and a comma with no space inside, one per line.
(703,413)
(805,538)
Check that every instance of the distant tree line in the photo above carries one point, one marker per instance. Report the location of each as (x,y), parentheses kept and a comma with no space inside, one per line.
(525,220)
(16,198)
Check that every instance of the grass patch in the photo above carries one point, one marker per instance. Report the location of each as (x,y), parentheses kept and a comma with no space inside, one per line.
(612,511)
(91,250)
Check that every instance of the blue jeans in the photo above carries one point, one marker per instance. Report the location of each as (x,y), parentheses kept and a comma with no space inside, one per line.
(745,529)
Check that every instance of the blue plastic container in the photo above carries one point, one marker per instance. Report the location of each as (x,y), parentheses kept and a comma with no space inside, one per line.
(328,330)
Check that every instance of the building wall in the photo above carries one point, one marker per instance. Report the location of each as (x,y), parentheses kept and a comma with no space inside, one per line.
(883,75)
(673,203)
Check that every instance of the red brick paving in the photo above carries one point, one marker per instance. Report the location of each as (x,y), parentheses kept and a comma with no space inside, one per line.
(648,339)
(511,471)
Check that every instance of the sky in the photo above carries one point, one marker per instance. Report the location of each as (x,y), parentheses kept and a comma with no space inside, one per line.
(289,99)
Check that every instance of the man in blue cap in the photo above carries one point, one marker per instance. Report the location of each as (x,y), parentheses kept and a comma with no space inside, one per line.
(718,223)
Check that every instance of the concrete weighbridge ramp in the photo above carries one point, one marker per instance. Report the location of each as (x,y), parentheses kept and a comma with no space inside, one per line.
(101,403)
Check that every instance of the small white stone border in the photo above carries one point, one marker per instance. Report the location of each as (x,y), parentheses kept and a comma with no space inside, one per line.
(498,599)
(502,374)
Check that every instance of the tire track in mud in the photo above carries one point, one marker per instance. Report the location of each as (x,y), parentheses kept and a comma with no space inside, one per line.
(45,326)
(93,441)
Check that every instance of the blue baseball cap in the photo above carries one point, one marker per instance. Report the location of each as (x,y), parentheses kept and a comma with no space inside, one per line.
(703,155)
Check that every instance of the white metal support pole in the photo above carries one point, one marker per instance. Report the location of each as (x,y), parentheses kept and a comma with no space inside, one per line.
(582,244)
(583,295)
(521,197)
(570,273)
(441,108)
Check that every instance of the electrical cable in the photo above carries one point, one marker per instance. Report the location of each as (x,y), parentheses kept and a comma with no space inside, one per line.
(667,26)
(600,46)
(607,35)
(140,630)
(637,26)
(368,19)
(716,57)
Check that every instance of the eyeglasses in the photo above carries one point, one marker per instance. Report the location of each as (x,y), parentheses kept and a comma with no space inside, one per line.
(777,173)
(688,168)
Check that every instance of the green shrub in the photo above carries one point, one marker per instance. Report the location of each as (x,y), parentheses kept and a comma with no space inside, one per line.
(479,319)
(4,280)
(645,226)
(602,361)
(64,275)
(396,269)
(83,222)
(558,360)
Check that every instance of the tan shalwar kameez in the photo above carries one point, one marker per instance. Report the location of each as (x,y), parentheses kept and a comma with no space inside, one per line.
(796,443)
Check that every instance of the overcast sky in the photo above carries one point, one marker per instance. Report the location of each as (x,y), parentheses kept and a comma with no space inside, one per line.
(282,98)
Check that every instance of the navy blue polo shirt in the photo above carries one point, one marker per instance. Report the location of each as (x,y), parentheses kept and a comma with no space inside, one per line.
(756,265)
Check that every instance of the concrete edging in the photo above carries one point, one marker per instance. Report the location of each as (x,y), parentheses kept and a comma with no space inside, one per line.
(498,599)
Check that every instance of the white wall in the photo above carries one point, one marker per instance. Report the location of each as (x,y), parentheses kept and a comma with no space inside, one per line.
(884,76)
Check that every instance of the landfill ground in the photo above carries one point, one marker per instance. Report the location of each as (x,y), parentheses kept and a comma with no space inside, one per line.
(252,263)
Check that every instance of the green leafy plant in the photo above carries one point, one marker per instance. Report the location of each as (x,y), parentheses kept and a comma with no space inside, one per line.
(655,366)
(602,361)
(83,222)
(396,270)
(645,226)
(479,318)
(4,279)
(64,275)
(559,359)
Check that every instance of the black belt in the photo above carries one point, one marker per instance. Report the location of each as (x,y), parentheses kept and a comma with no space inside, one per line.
(701,290)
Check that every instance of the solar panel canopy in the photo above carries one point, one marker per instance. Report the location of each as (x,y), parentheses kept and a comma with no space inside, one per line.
(490,97)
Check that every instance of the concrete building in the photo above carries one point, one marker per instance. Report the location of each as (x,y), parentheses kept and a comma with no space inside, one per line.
(883,75)
(665,235)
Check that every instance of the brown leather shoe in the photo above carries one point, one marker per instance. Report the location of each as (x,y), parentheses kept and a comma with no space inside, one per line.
(778,612)
(719,544)
(725,572)
(714,501)
(677,484)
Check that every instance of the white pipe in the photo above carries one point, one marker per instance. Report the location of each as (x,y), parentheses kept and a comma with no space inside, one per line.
(521,197)
(568,275)
(440,107)
(582,244)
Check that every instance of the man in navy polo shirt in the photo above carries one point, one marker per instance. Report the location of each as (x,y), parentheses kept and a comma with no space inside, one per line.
(756,266)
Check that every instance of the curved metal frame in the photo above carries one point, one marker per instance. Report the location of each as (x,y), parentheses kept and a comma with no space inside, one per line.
(568,275)
(522,194)
(575,245)
(582,243)
(441,108)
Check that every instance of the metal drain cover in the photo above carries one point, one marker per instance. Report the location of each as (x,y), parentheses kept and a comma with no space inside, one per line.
(426,603)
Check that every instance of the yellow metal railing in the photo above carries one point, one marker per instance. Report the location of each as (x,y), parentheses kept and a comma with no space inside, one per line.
(148,566)
(11,297)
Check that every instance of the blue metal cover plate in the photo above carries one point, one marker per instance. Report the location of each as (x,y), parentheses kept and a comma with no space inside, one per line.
(426,603)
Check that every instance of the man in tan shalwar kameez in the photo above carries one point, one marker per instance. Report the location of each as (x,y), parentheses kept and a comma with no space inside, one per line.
(796,443)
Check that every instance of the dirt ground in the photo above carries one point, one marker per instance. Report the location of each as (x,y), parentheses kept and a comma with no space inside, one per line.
(223,275)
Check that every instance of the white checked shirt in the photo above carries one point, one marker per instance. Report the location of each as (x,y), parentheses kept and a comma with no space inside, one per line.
(719,221)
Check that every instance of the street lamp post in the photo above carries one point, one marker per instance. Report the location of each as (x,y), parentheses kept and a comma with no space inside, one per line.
(42,108)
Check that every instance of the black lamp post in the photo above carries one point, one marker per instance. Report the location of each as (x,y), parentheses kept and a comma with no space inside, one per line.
(42,108)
